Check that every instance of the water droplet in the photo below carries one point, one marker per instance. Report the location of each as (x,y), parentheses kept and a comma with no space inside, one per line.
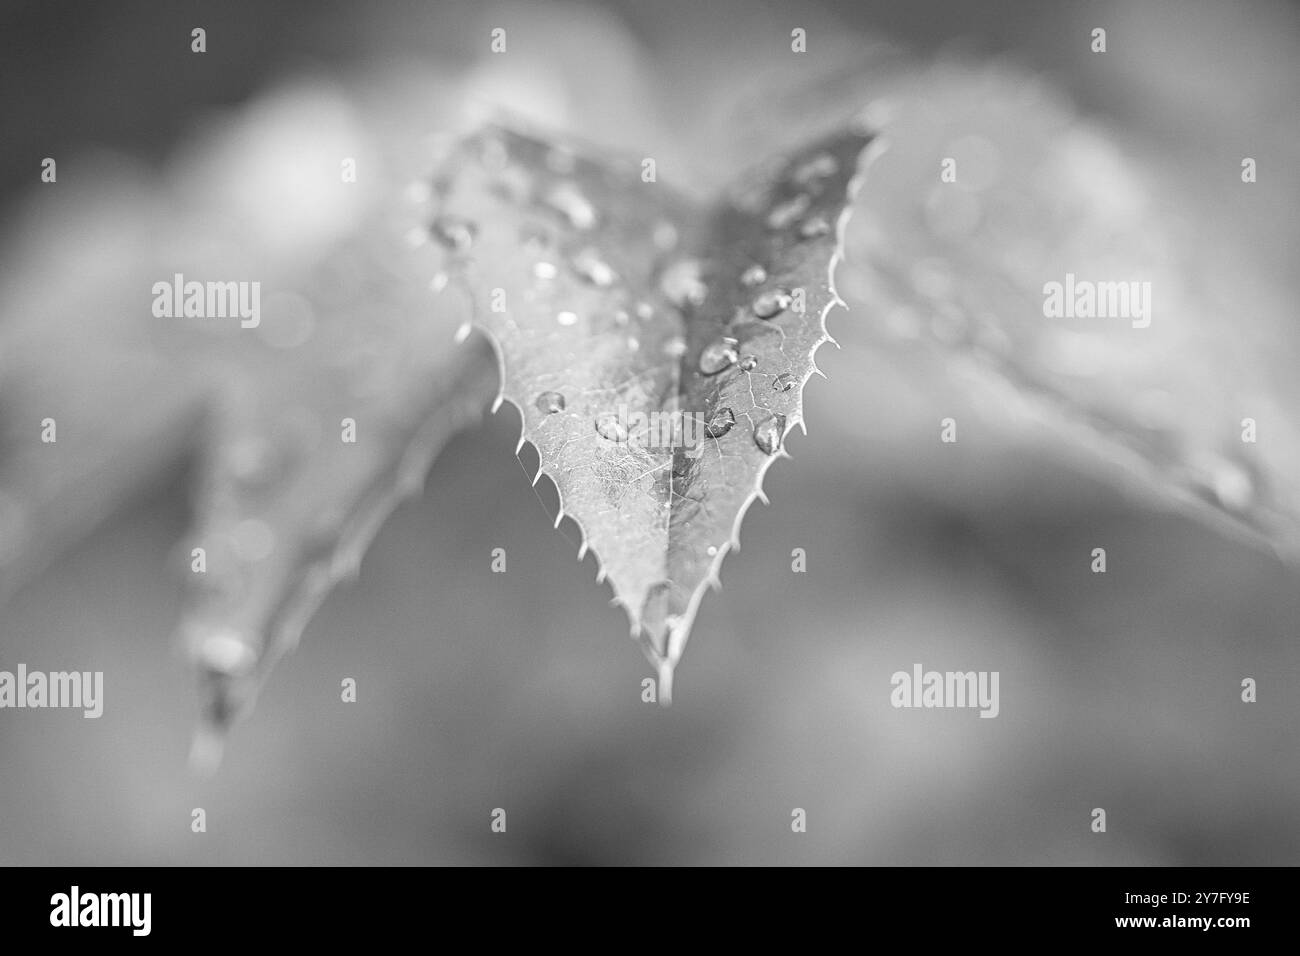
(591,267)
(548,403)
(455,233)
(711,550)
(784,382)
(813,227)
(749,363)
(682,284)
(814,170)
(787,213)
(767,436)
(609,427)
(771,303)
(633,344)
(645,311)
(717,356)
(566,318)
(545,270)
(755,275)
(720,423)
(566,199)
(439,281)
(621,317)
(675,347)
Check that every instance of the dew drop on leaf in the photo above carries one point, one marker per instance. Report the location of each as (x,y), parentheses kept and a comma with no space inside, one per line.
(591,267)
(548,403)
(568,200)
(566,318)
(609,427)
(755,275)
(811,173)
(545,270)
(717,356)
(767,436)
(787,213)
(814,227)
(720,423)
(771,303)
(455,233)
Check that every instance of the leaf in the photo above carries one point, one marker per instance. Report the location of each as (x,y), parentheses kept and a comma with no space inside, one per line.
(349,328)
(617,306)
(1040,192)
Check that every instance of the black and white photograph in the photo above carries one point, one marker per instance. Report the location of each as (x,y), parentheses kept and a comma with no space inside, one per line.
(673,434)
